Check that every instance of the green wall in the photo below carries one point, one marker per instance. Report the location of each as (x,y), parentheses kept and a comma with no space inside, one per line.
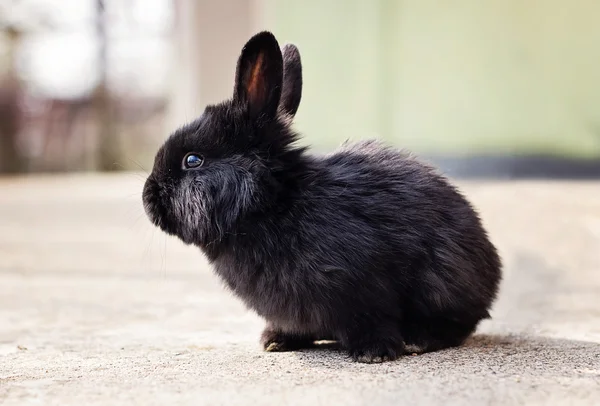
(456,77)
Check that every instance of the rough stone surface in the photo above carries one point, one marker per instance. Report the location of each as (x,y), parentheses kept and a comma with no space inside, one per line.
(99,308)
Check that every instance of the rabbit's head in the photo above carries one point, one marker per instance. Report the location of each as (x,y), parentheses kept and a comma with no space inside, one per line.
(237,158)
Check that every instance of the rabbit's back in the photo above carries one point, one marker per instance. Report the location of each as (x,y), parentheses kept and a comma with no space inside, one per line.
(415,224)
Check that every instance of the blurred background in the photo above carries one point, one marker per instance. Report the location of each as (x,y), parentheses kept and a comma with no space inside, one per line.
(502,88)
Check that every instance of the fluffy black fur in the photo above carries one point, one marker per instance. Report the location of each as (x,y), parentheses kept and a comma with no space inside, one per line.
(366,246)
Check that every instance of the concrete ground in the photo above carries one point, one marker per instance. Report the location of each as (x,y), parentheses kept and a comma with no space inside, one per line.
(99,308)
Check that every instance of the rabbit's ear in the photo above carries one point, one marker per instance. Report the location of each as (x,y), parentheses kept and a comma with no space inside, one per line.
(259,75)
(292,80)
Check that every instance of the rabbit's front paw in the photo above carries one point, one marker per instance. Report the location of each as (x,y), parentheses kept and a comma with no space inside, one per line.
(275,341)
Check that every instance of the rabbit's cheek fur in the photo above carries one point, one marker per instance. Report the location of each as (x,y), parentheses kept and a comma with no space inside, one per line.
(207,205)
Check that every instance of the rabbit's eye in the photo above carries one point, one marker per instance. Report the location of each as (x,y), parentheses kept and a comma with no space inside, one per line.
(192,160)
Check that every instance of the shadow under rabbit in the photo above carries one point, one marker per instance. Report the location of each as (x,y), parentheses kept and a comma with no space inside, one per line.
(494,353)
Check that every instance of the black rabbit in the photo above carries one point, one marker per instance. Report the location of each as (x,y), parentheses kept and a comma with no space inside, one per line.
(366,246)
